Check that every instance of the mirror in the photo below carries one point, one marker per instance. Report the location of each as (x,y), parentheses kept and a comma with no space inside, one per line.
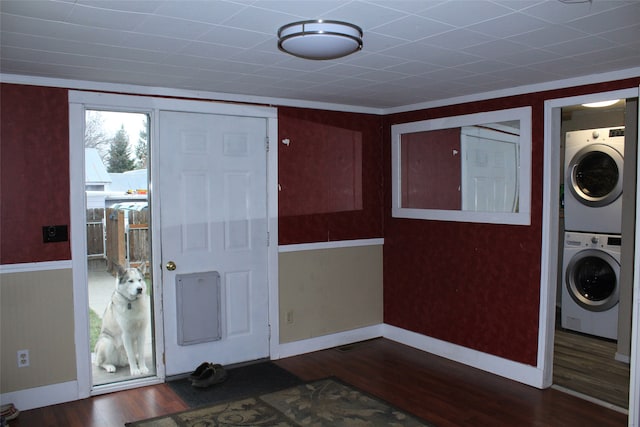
(471,168)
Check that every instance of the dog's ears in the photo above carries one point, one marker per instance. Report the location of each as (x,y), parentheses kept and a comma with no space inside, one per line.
(121,271)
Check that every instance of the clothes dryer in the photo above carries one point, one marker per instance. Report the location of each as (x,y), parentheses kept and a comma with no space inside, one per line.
(594,164)
(591,289)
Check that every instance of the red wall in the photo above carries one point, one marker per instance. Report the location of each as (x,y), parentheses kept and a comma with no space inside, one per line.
(476,285)
(329,174)
(34,172)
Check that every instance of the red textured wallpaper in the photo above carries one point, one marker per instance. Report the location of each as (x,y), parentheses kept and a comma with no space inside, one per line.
(476,285)
(34,172)
(329,175)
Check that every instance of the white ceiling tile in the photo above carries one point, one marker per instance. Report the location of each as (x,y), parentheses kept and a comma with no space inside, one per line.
(307,9)
(495,49)
(260,20)
(208,50)
(234,37)
(580,46)
(214,12)
(530,56)
(154,42)
(53,11)
(509,25)
(107,18)
(606,21)
(140,6)
(562,13)
(457,39)
(364,15)
(171,27)
(412,28)
(463,13)
(628,35)
(411,68)
(550,34)
(433,55)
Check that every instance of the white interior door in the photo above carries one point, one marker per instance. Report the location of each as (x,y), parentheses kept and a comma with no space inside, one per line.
(213,213)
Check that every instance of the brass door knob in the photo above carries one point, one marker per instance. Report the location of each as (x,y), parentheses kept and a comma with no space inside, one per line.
(171,266)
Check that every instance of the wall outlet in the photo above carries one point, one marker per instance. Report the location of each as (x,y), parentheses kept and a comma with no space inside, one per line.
(290,317)
(23,358)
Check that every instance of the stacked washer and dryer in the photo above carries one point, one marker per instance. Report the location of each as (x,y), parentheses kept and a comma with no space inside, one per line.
(594,162)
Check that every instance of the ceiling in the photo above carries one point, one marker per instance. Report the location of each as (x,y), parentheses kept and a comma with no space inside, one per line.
(415,51)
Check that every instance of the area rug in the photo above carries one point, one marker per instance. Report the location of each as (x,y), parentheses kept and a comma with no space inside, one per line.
(244,381)
(326,402)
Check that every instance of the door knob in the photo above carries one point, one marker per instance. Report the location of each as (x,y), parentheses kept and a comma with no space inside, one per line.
(171,266)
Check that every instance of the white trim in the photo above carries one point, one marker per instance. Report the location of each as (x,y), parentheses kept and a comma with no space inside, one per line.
(329,245)
(520,372)
(634,378)
(591,399)
(521,217)
(148,103)
(181,93)
(28,267)
(272,230)
(521,90)
(327,341)
(159,91)
(126,385)
(77,211)
(42,396)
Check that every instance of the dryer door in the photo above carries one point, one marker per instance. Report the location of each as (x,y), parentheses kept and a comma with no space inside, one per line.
(594,175)
(592,279)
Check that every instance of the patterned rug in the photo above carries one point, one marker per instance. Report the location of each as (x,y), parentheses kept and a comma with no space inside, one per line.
(326,402)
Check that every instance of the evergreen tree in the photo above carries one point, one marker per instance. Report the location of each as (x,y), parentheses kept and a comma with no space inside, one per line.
(119,153)
(143,145)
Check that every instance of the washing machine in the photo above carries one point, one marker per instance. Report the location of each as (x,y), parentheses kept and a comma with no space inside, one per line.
(591,288)
(594,162)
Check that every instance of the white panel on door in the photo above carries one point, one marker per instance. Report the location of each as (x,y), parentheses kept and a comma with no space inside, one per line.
(237,221)
(195,211)
(236,144)
(238,296)
(193,142)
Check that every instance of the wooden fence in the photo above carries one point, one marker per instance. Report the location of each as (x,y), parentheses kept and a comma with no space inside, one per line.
(124,241)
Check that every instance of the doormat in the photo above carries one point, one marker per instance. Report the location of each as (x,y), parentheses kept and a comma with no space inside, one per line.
(249,380)
(326,402)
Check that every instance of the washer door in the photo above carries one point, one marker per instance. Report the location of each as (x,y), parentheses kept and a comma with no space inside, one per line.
(593,278)
(594,175)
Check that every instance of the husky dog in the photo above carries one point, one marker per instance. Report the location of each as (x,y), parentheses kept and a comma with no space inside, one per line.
(124,325)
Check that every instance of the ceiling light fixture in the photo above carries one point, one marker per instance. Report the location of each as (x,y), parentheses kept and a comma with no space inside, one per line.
(600,103)
(320,39)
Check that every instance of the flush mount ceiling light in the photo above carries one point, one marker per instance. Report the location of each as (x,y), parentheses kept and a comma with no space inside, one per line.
(600,104)
(319,39)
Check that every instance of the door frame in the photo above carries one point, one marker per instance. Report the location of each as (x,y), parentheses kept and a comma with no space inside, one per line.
(550,236)
(78,102)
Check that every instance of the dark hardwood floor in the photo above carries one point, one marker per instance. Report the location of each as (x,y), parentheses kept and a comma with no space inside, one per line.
(438,390)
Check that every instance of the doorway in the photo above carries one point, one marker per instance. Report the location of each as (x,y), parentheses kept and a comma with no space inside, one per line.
(238,119)
(552,241)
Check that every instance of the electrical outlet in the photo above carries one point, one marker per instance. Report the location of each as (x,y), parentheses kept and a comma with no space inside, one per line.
(23,358)
(290,317)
